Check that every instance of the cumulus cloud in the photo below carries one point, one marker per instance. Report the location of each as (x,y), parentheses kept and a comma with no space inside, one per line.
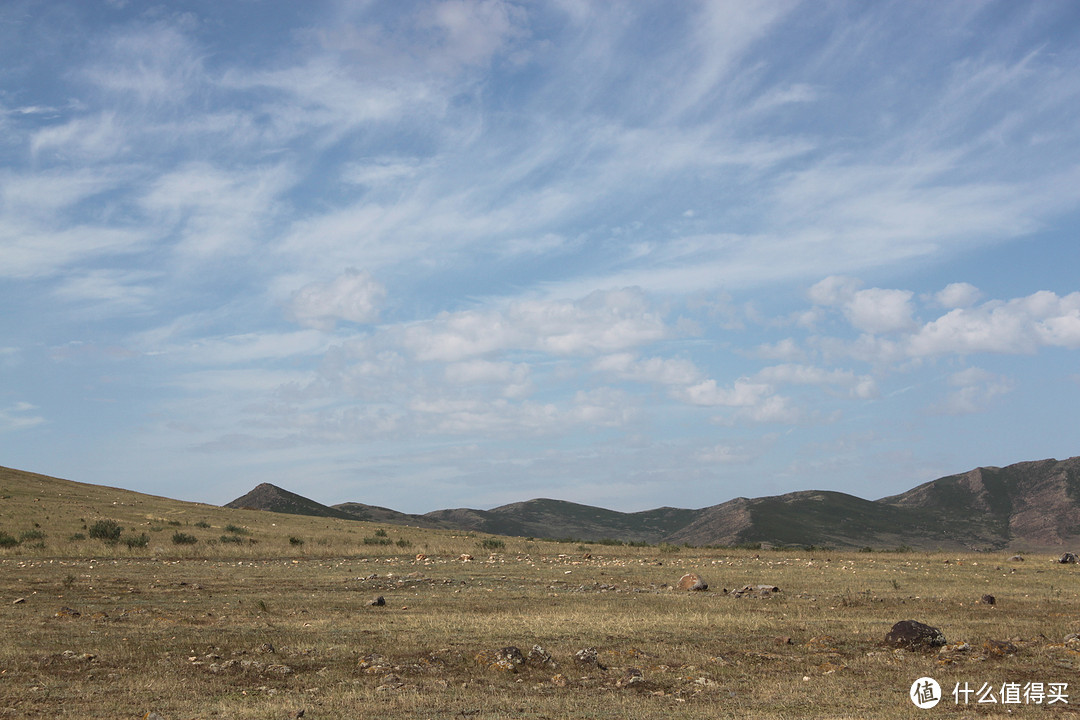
(958,295)
(354,297)
(1018,326)
(661,371)
(603,321)
(875,310)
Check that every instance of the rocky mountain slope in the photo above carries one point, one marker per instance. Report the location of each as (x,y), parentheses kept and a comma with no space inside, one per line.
(1027,505)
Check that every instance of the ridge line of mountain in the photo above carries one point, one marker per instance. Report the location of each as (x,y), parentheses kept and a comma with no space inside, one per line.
(1027,505)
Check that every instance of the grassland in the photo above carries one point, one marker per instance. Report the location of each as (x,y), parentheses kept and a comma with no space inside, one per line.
(95,628)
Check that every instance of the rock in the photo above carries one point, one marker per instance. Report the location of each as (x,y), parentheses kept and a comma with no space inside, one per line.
(762,591)
(558,680)
(420,557)
(67,612)
(587,656)
(692,581)
(18,601)
(279,670)
(465,557)
(539,657)
(1068,559)
(374,664)
(506,659)
(266,648)
(378,602)
(999,648)
(988,600)
(1016,558)
(631,677)
(914,635)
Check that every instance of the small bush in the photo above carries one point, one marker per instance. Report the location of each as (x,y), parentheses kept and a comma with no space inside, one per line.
(377,541)
(231,539)
(492,544)
(403,543)
(107,530)
(380,533)
(203,524)
(8,541)
(610,541)
(296,541)
(175,523)
(77,537)
(236,530)
(137,542)
(180,538)
(668,548)
(31,535)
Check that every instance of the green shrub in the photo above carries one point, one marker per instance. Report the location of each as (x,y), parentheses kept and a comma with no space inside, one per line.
(202,524)
(231,539)
(380,533)
(296,541)
(137,542)
(77,537)
(403,543)
(236,530)
(31,535)
(668,548)
(8,540)
(377,541)
(107,530)
(180,538)
(492,544)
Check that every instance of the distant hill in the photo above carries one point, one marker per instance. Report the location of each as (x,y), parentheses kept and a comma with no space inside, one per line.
(1029,505)
(270,497)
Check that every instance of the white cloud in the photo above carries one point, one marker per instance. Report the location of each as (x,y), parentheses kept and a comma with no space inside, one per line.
(958,295)
(603,321)
(862,386)
(833,291)
(974,389)
(661,371)
(1018,326)
(354,297)
(879,311)
(19,416)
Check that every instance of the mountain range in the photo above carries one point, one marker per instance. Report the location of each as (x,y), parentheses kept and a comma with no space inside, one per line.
(1029,505)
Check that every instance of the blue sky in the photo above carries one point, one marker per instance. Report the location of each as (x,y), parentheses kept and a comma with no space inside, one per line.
(464,253)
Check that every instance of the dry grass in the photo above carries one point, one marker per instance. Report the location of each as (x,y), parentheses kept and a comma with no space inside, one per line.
(186,630)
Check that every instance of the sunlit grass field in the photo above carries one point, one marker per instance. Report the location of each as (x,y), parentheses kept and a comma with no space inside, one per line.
(282,619)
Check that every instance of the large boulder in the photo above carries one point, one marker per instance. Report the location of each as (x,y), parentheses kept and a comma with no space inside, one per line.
(914,635)
(692,581)
(1069,559)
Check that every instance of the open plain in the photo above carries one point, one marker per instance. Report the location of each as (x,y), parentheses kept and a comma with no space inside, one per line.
(261,615)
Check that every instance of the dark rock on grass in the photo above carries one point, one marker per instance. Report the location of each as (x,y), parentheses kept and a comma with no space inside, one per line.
(1069,559)
(914,635)
(378,602)
(988,600)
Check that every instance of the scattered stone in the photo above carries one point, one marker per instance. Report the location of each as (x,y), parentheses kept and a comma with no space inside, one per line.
(822,643)
(587,656)
(18,601)
(784,640)
(390,682)
(539,657)
(67,612)
(266,648)
(1016,558)
(1072,639)
(506,659)
(988,600)
(631,677)
(692,581)
(759,591)
(378,602)
(999,648)
(279,670)
(948,653)
(374,664)
(1069,559)
(465,557)
(914,635)
(420,557)
(558,680)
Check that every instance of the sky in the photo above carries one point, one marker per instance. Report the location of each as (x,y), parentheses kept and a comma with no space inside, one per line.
(461,253)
